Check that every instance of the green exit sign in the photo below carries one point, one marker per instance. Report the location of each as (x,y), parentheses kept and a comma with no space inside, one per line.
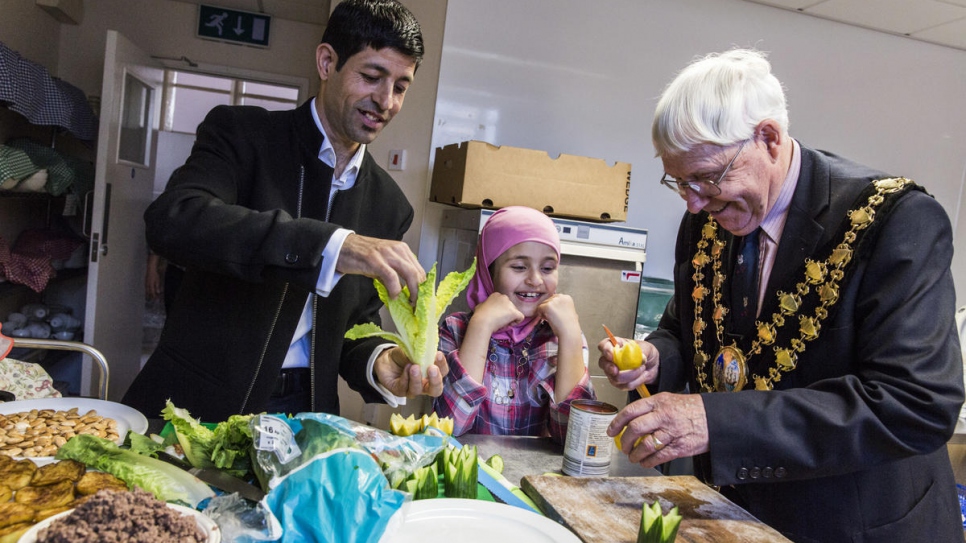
(233,26)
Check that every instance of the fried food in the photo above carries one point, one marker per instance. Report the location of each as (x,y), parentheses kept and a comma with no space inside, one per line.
(12,533)
(18,474)
(65,470)
(92,481)
(47,513)
(47,496)
(52,489)
(12,513)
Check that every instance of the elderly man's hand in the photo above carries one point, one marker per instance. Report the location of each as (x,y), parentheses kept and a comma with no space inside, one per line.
(392,262)
(403,378)
(661,428)
(629,379)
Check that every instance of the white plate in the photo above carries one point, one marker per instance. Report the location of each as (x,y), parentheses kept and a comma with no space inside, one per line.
(473,521)
(128,418)
(207,525)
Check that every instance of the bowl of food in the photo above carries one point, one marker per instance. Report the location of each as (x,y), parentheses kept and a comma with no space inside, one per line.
(134,515)
(35,429)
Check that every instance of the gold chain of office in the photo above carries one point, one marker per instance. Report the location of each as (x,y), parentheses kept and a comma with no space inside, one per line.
(730,366)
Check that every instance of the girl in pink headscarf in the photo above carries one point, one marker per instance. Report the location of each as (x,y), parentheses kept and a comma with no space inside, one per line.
(518,358)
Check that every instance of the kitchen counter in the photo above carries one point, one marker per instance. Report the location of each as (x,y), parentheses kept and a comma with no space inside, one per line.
(523,455)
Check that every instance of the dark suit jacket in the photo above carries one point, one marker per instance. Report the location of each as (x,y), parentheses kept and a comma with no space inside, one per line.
(850,445)
(246,216)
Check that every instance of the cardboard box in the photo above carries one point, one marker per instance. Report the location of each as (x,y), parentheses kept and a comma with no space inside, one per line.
(475,174)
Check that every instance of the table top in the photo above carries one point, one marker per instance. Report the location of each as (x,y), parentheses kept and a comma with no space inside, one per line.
(525,455)
(522,455)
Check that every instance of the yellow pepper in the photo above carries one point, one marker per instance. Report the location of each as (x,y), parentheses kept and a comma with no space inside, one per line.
(403,426)
(628,356)
(411,425)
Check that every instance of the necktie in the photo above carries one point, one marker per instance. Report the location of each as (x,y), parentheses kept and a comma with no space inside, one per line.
(744,285)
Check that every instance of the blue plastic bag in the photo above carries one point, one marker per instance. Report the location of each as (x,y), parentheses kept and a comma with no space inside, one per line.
(338,497)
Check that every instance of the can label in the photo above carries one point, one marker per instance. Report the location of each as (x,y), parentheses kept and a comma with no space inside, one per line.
(588,447)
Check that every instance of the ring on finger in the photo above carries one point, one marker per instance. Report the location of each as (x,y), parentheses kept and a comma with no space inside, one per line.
(657,442)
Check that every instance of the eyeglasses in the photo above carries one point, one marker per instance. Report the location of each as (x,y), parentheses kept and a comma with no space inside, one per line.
(702,187)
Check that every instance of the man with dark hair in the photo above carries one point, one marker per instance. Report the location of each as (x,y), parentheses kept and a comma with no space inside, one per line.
(282,219)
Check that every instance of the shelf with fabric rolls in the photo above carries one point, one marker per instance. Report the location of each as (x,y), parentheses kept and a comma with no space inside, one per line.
(48,132)
(9,288)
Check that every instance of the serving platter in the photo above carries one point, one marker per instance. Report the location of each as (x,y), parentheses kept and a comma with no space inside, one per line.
(476,521)
(128,419)
(206,525)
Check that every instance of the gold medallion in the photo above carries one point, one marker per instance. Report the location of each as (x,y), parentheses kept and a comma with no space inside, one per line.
(730,371)
(729,367)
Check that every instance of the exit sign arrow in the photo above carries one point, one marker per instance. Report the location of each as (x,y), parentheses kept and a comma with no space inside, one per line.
(233,26)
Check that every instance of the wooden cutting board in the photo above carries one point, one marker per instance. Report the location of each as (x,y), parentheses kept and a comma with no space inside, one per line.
(608,509)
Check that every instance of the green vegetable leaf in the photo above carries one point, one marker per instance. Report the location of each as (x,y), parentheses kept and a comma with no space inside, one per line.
(460,472)
(196,440)
(167,483)
(143,444)
(226,447)
(418,326)
(657,527)
(672,521)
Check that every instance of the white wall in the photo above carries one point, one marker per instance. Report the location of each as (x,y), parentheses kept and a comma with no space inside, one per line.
(27,29)
(583,78)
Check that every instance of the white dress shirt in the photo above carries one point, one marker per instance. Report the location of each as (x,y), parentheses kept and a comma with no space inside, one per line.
(298,353)
(774,223)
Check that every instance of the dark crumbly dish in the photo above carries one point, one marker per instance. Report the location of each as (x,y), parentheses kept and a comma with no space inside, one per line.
(123,517)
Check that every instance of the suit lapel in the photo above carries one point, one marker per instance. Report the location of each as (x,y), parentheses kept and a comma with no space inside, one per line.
(318,176)
(804,231)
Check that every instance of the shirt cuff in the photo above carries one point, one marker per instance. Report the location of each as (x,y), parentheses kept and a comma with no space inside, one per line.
(467,389)
(391,399)
(328,277)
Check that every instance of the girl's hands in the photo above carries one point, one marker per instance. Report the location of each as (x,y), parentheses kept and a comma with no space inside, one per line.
(561,313)
(497,312)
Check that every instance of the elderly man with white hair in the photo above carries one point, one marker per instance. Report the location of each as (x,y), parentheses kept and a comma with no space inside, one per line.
(809,359)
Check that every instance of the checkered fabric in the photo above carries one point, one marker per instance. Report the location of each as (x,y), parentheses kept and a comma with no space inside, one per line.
(33,272)
(45,243)
(15,166)
(31,91)
(59,173)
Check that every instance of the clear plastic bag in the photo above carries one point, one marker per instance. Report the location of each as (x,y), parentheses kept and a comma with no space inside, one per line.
(326,476)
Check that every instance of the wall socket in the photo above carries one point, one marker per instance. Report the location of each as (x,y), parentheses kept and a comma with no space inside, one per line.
(397,159)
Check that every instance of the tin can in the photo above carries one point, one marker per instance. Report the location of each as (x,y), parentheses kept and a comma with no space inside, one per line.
(588,447)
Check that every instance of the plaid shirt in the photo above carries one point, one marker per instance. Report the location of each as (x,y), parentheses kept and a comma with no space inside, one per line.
(490,408)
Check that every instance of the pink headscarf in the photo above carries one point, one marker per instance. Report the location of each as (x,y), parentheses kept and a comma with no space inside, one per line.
(504,229)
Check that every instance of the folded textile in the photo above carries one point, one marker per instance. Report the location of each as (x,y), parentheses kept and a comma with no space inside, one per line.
(60,175)
(42,99)
(34,183)
(15,166)
(26,380)
(30,262)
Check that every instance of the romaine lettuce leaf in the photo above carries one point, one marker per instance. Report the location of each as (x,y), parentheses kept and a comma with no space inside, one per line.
(418,327)
(227,446)
(167,482)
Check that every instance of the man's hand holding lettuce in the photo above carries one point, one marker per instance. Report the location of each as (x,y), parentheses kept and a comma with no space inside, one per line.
(418,330)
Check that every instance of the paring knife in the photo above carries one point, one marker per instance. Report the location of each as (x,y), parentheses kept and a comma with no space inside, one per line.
(216,478)
(503,490)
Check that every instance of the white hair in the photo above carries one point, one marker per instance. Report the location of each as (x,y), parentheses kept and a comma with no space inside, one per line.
(718,99)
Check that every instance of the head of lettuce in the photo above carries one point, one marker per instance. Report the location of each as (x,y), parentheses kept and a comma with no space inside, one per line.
(418,326)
